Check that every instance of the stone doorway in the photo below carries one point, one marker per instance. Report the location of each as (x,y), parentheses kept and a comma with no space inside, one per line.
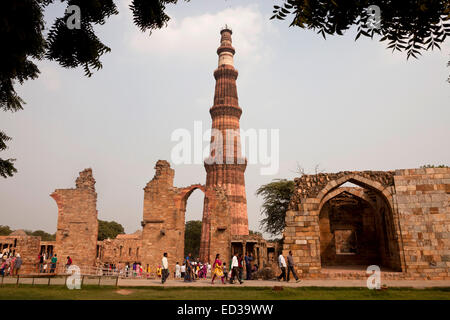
(357,230)
(193,207)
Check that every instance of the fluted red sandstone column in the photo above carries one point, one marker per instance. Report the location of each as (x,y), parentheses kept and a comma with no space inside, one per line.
(227,173)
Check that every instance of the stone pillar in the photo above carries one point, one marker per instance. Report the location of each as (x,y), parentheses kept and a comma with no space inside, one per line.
(302,236)
(225,167)
(77,228)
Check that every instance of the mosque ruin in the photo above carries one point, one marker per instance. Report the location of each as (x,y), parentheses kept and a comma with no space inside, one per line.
(398,220)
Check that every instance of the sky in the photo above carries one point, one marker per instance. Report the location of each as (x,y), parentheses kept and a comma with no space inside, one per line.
(338,104)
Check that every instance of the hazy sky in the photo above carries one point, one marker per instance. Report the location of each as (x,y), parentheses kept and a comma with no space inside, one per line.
(342,104)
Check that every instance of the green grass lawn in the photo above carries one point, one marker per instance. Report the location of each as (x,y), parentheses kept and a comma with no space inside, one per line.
(185,293)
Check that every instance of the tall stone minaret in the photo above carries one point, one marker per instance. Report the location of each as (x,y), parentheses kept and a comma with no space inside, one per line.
(225,167)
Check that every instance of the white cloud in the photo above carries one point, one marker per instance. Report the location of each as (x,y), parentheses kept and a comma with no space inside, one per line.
(194,37)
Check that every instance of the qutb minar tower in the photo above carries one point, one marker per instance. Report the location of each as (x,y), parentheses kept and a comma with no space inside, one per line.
(225,167)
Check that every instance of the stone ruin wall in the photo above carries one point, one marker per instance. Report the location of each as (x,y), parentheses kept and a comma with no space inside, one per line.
(420,213)
(125,248)
(422,199)
(77,227)
(27,246)
(219,226)
(164,219)
(162,226)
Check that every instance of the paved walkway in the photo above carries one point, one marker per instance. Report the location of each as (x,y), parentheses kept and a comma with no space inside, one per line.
(271,283)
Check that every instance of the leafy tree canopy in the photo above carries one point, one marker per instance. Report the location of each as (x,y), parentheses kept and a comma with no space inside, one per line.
(251,232)
(109,229)
(276,196)
(192,237)
(45,236)
(5,230)
(406,25)
(21,30)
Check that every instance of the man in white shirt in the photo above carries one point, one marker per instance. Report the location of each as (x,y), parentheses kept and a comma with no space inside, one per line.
(165,268)
(282,265)
(177,271)
(235,269)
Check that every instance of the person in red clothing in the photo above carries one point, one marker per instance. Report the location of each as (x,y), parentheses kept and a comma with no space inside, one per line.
(69,262)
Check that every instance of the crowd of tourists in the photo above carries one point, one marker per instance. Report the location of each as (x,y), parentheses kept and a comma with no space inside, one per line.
(127,270)
(192,270)
(11,262)
(47,262)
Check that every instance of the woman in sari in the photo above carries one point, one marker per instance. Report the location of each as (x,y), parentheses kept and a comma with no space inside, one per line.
(204,271)
(217,269)
(159,271)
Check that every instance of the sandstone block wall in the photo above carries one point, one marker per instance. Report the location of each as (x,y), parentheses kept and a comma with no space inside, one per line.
(422,197)
(163,229)
(219,226)
(164,220)
(412,205)
(27,246)
(77,228)
(125,248)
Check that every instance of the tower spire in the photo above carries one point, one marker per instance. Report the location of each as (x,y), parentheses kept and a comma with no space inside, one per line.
(225,167)
(226,50)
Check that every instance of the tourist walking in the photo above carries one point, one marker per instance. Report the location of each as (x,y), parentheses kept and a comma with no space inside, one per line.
(290,264)
(225,271)
(69,262)
(177,271)
(3,267)
(217,269)
(183,270)
(53,261)
(241,268)
(188,277)
(17,264)
(41,263)
(159,271)
(12,264)
(282,265)
(235,269)
(248,266)
(165,268)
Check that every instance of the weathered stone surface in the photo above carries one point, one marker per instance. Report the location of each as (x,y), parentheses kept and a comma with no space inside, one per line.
(77,228)
(27,246)
(225,167)
(410,208)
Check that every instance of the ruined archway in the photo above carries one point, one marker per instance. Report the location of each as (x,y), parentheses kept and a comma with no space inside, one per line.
(188,195)
(164,219)
(308,231)
(356,230)
(357,225)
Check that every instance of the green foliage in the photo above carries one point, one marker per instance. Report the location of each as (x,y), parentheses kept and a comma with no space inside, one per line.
(109,229)
(411,26)
(251,232)
(434,166)
(150,15)
(192,237)
(6,165)
(21,30)
(45,236)
(276,196)
(80,47)
(5,230)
